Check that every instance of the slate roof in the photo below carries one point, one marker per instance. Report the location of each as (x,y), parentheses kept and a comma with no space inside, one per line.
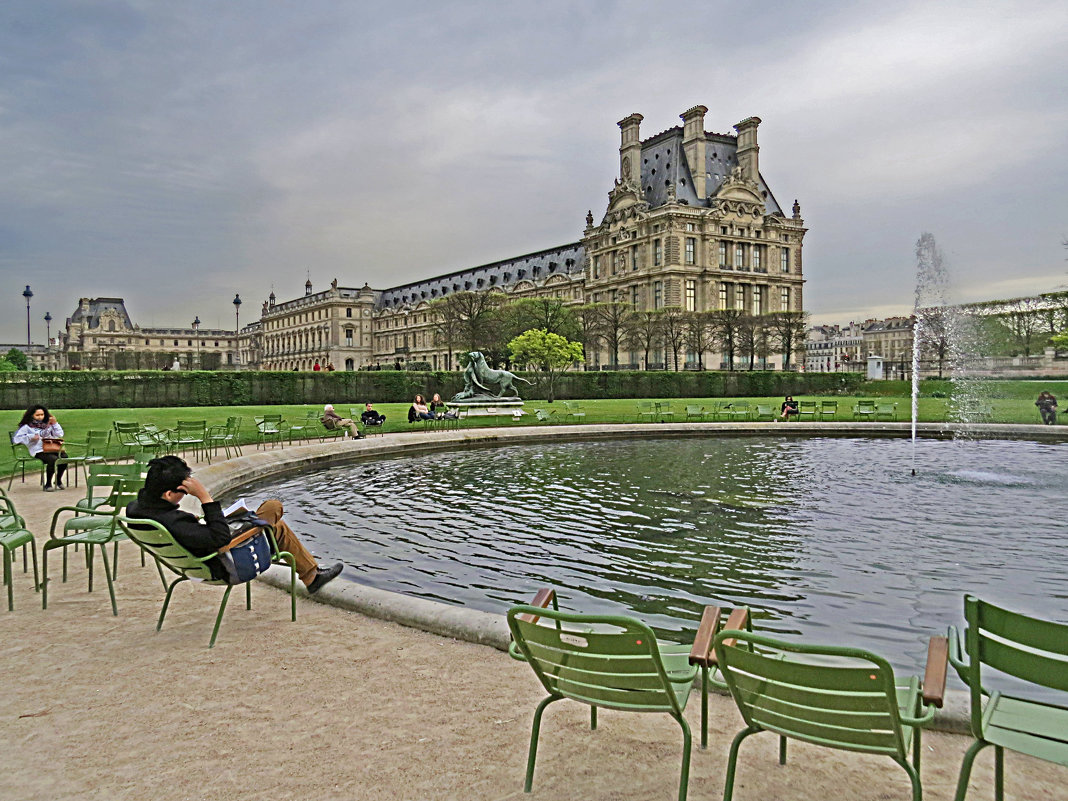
(664,161)
(96,307)
(563,260)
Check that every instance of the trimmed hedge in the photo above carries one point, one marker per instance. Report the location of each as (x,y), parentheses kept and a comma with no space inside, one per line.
(151,388)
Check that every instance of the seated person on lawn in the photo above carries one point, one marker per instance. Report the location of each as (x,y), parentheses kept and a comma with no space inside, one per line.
(332,420)
(370,417)
(170,479)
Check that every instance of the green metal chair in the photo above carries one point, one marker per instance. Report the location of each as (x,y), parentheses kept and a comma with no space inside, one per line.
(14,535)
(574,410)
(269,429)
(832,696)
(1035,653)
(20,455)
(807,410)
(161,545)
(646,411)
(864,410)
(694,412)
(192,434)
(764,413)
(544,416)
(828,410)
(737,411)
(606,661)
(665,410)
(90,527)
(886,412)
(226,437)
(100,481)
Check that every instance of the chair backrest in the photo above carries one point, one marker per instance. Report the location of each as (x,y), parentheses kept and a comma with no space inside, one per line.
(604,660)
(807,406)
(829,405)
(104,477)
(833,696)
(1031,649)
(18,449)
(160,543)
(97,443)
(192,427)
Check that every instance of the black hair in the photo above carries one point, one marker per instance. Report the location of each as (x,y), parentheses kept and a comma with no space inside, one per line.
(165,473)
(28,417)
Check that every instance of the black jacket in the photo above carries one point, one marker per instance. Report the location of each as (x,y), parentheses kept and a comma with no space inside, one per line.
(199,537)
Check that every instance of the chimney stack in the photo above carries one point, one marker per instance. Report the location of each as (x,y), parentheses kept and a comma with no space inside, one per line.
(630,150)
(693,145)
(748,149)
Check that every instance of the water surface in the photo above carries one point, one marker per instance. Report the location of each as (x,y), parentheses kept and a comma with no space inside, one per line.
(829,538)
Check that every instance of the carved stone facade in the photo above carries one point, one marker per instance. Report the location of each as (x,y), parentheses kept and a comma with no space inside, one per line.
(690,223)
(332,328)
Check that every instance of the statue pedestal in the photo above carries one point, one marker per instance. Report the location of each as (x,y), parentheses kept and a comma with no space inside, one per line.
(488,407)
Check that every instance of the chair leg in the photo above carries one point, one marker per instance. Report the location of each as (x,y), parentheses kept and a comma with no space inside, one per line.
(44,573)
(593,718)
(966,769)
(248,595)
(218,618)
(8,580)
(535,730)
(782,750)
(732,761)
(89,562)
(107,575)
(999,773)
(704,707)
(914,777)
(289,559)
(24,565)
(36,578)
(167,600)
(684,773)
(114,559)
(159,569)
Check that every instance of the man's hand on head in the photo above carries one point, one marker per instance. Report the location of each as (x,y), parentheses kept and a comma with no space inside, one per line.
(195,488)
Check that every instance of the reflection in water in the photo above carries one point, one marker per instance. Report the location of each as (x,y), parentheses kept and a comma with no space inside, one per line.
(826,537)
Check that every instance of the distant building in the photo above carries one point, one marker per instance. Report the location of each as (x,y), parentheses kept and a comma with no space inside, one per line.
(100,335)
(835,349)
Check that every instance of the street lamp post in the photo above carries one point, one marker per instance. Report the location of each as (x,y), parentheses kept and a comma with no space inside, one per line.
(27,294)
(48,329)
(237,327)
(196,333)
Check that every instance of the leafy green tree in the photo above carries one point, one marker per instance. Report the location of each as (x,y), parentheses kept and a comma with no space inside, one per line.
(1060,341)
(6,366)
(550,353)
(18,358)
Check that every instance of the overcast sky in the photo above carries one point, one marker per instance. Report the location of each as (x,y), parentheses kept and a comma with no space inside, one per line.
(174,153)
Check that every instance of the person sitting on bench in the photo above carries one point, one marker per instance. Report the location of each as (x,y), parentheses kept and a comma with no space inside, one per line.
(370,417)
(332,420)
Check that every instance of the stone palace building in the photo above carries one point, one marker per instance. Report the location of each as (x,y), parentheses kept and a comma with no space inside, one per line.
(690,223)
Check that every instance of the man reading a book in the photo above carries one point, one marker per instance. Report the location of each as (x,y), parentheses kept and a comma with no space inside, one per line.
(170,479)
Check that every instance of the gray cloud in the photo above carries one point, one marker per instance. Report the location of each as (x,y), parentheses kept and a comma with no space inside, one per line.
(177,153)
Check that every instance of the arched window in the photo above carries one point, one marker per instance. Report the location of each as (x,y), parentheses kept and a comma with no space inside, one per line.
(350,365)
(111,325)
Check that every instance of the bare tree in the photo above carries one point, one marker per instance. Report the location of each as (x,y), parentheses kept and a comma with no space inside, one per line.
(700,335)
(725,324)
(1023,316)
(611,322)
(788,333)
(467,320)
(589,324)
(643,333)
(673,331)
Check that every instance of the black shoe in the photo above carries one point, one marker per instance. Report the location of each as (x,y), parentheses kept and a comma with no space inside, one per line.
(59,485)
(324,577)
(47,487)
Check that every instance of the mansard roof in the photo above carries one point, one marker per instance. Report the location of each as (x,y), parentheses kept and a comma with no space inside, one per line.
(664,162)
(90,314)
(563,260)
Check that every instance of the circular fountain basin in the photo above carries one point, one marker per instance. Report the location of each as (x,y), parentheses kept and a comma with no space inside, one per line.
(831,538)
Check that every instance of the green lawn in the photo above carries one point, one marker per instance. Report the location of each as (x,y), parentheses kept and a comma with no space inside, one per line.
(1010,402)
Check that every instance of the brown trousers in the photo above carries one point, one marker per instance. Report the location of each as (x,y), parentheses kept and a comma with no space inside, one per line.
(271,511)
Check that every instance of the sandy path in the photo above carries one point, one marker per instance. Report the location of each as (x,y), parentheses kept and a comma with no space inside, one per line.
(341,706)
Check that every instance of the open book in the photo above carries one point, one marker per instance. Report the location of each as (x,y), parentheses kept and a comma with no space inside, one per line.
(238,506)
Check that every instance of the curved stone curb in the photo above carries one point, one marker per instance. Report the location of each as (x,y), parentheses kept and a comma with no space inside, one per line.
(486,628)
(458,622)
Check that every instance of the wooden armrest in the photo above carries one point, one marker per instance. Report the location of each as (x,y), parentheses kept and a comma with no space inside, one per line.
(702,653)
(544,598)
(934,676)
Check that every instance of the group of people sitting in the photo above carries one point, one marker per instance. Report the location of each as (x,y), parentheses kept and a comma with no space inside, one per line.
(435,410)
(332,420)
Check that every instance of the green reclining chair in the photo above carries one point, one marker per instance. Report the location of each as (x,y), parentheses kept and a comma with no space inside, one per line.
(161,545)
(608,661)
(1035,653)
(830,696)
